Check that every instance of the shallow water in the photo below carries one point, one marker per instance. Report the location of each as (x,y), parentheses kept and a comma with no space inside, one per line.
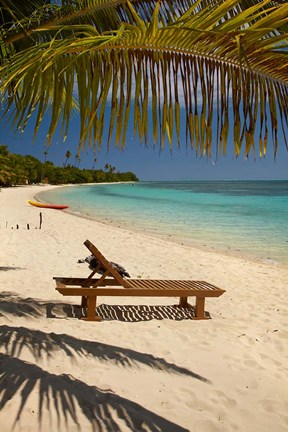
(247,218)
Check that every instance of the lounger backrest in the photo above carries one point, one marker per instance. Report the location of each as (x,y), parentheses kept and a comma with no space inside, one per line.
(105,263)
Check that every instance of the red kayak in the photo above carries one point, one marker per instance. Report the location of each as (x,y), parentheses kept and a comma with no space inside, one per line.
(51,206)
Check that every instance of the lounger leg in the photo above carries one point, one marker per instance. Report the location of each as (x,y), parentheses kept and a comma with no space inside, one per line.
(83,302)
(91,310)
(200,305)
(183,303)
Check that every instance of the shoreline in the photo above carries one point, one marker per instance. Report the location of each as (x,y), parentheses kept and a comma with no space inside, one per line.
(210,248)
(141,368)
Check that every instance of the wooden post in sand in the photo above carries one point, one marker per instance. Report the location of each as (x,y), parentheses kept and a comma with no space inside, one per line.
(40,220)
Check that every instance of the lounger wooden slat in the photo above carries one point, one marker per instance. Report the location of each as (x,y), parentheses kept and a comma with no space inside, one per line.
(183,284)
(83,281)
(111,283)
(123,292)
(189,285)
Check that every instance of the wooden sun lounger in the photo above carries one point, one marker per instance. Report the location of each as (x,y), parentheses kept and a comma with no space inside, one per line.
(111,283)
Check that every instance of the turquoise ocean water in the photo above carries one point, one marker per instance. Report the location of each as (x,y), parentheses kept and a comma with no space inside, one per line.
(247,218)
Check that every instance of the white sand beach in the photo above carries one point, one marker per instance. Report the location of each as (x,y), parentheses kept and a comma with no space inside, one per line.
(134,371)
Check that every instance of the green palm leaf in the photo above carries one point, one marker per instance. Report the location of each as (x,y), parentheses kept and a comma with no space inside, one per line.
(220,65)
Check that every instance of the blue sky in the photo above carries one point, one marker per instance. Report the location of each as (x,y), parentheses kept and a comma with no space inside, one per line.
(149,163)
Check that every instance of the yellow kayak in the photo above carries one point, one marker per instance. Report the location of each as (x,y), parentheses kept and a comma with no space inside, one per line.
(51,206)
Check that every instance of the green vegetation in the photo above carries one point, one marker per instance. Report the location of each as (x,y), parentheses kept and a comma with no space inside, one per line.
(209,69)
(21,170)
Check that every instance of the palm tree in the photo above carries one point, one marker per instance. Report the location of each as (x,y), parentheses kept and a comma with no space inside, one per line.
(6,176)
(45,155)
(221,66)
(94,162)
(4,150)
(77,160)
(67,156)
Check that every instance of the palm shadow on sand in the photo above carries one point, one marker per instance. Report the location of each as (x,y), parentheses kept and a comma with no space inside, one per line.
(14,340)
(6,268)
(13,304)
(64,395)
(60,395)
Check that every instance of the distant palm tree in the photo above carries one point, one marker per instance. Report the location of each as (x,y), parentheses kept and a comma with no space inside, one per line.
(94,162)
(4,150)
(67,155)
(5,176)
(43,167)
(77,160)
(45,155)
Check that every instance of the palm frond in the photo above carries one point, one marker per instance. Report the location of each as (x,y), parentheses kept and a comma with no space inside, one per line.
(214,66)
